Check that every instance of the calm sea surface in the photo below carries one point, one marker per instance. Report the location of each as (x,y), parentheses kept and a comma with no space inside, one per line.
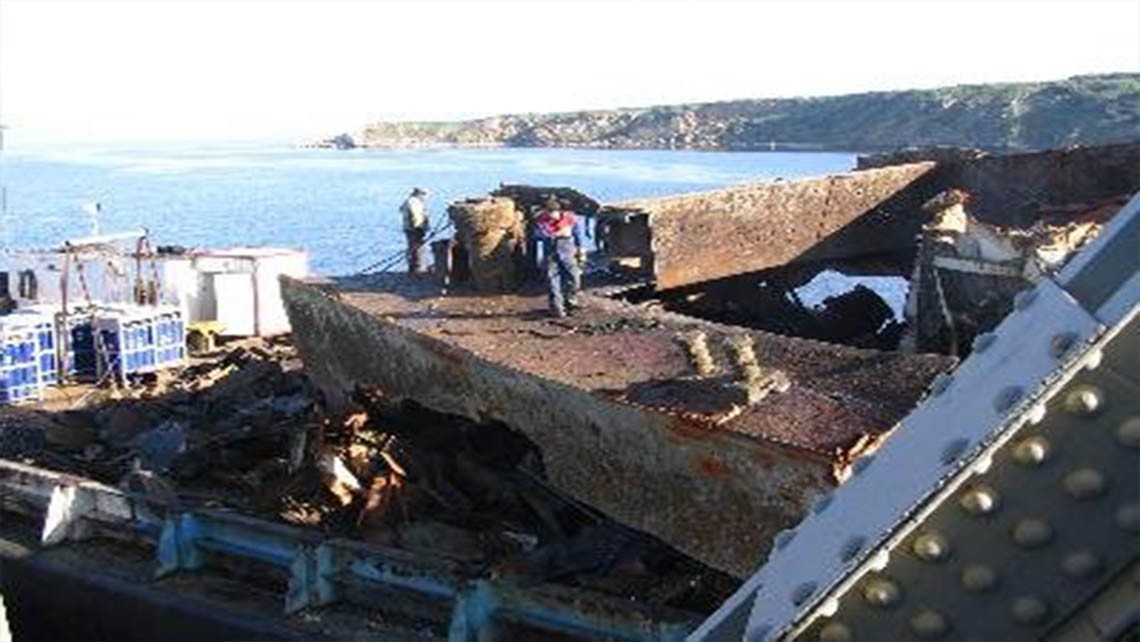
(339,205)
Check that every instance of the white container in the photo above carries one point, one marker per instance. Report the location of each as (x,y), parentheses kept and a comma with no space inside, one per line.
(239,287)
(236,286)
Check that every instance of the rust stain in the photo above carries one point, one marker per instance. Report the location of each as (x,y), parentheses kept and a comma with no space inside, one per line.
(775,223)
(710,467)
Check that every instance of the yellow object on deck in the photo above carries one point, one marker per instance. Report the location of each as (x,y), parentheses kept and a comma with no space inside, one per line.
(201,336)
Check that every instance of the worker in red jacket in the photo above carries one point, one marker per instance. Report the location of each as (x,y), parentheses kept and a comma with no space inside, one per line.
(562,245)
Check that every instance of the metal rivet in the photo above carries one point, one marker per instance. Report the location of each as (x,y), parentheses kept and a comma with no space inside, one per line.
(1061,343)
(929,625)
(983,341)
(879,561)
(881,592)
(1085,483)
(931,547)
(979,578)
(1082,564)
(1084,400)
(1031,451)
(783,538)
(981,500)
(940,384)
(1029,610)
(1128,434)
(835,632)
(862,463)
(829,607)
(953,450)
(1128,517)
(1007,398)
(1092,361)
(1035,414)
(821,504)
(803,592)
(1032,533)
(982,464)
(1024,298)
(851,548)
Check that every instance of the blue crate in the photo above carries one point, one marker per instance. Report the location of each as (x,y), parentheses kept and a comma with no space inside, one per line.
(170,338)
(170,356)
(127,349)
(44,327)
(81,359)
(45,352)
(12,395)
(17,344)
(19,363)
(49,372)
(118,342)
(129,338)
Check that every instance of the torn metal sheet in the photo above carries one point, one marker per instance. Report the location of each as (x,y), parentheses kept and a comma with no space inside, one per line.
(967,272)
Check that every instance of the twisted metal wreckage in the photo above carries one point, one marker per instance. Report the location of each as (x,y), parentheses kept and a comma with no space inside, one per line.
(881,494)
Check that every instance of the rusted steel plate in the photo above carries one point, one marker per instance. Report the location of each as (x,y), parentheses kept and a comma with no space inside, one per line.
(711,235)
(717,490)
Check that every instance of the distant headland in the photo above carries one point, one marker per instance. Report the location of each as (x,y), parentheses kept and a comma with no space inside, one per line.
(1081,110)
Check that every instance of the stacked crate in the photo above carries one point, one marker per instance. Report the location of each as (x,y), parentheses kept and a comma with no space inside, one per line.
(19,361)
(102,342)
(41,320)
(44,326)
(132,340)
(170,338)
(124,342)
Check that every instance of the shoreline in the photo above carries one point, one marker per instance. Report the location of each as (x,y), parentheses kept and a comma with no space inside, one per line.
(798,148)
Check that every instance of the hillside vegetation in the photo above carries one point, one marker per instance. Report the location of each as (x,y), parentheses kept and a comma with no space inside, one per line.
(1011,116)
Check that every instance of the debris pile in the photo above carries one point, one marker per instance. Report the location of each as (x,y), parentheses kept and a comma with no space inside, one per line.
(811,302)
(967,272)
(415,479)
(247,431)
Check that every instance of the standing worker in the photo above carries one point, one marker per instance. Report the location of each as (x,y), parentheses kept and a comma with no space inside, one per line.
(416,223)
(563,249)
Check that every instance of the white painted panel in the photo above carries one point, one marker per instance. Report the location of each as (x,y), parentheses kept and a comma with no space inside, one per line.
(180,287)
(233,296)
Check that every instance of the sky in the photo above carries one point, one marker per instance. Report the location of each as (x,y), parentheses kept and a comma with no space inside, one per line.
(258,69)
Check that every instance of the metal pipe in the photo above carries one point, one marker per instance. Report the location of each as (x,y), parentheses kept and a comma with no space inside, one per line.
(104,239)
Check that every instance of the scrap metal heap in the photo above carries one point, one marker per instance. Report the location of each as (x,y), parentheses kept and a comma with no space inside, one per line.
(236,458)
(967,272)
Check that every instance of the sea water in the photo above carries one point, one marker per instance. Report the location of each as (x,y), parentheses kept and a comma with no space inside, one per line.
(340,205)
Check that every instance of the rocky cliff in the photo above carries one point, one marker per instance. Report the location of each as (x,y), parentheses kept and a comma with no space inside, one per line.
(1016,116)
